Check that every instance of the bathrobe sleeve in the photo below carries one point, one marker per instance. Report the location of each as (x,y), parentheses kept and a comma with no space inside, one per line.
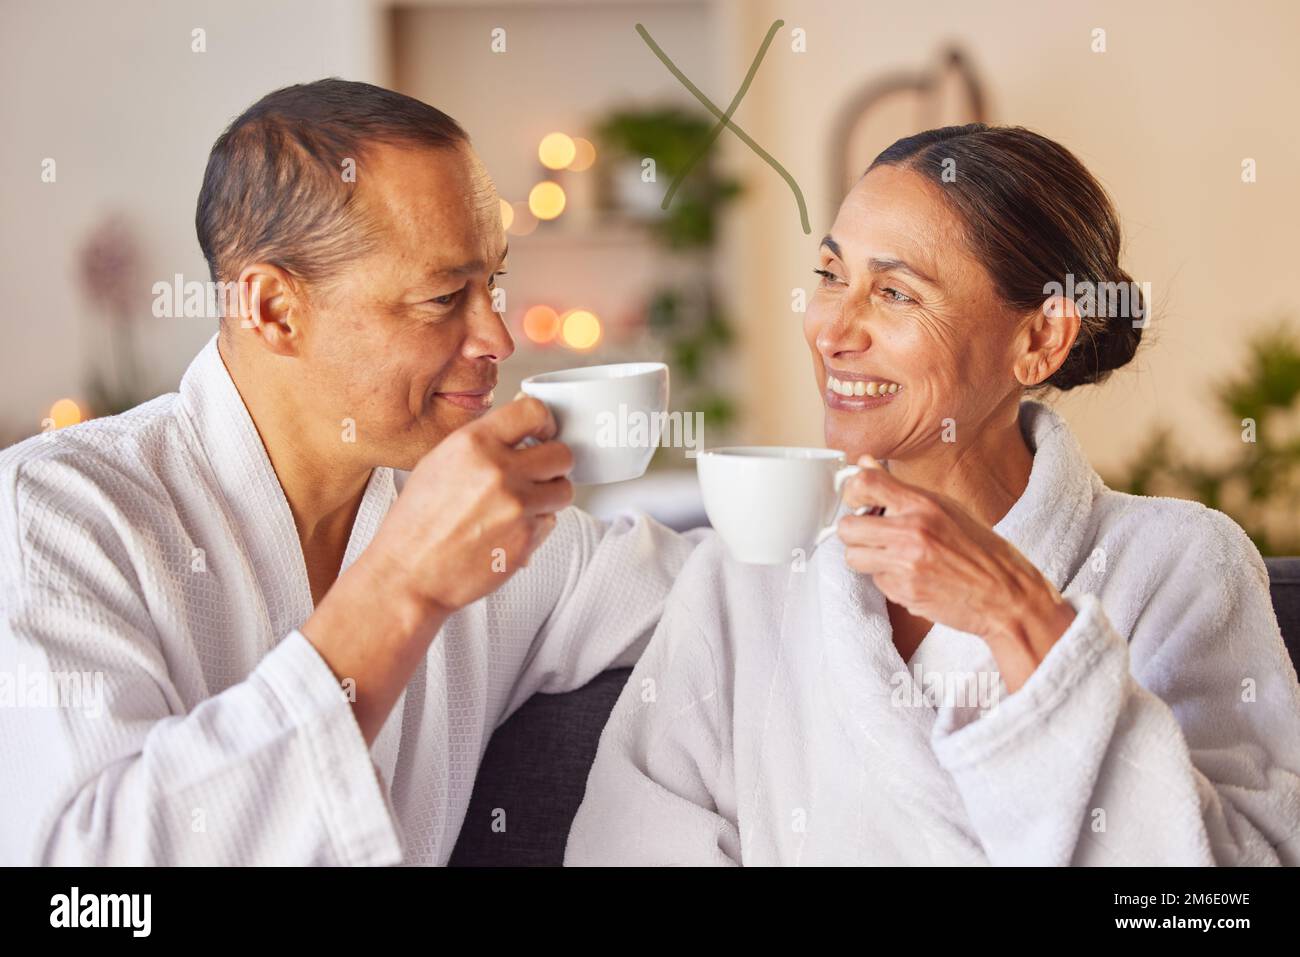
(600,588)
(661,790)
(1178,747)
(103,765)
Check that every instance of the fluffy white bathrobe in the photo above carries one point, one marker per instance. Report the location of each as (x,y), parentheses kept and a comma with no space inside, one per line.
(772,721)
(157,702)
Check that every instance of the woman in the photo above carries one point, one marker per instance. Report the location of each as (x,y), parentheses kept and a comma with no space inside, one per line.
(1141,709)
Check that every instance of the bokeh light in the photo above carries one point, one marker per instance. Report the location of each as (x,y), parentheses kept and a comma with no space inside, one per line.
(581,329)
(546,200)
(507,215)
(524,222)
(541,324)
(65,412)
(583,156)
(556,151)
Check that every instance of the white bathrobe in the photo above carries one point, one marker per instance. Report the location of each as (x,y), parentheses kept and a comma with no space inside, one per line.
(157,702)
(772,721)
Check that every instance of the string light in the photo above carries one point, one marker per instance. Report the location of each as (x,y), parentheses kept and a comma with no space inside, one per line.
(581,329)
(556,151)
(541,324)
(584,155)
(523,221)
(65,412)
(547,199)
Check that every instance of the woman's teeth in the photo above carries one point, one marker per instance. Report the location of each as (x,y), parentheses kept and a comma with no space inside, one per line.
(860,387)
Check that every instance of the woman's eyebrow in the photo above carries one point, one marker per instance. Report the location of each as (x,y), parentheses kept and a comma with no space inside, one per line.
(880,263)
(885,264)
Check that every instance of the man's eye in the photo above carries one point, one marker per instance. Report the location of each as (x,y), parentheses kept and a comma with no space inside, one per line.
(446,300)
(828,278)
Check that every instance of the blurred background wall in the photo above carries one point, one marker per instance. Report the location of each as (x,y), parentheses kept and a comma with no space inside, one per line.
(1164,110)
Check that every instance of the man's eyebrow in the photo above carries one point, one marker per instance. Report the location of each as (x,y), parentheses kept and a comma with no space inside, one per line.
(465,269)
(829,242)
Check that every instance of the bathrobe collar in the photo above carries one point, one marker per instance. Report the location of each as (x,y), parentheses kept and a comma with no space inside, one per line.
(227,440)
(1047,524)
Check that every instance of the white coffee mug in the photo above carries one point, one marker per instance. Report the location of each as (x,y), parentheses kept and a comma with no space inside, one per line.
(771,504)
(610,416)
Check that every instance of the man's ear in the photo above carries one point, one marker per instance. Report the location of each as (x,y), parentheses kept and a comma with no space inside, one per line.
(271,308)
(1045,340)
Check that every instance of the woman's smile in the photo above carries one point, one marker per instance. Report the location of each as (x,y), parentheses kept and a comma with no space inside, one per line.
(851,392)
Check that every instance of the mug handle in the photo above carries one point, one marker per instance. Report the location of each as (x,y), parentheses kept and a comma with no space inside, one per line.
(842,476)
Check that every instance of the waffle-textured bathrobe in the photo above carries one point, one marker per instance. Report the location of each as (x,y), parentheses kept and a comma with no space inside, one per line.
(772,721)
(158,704)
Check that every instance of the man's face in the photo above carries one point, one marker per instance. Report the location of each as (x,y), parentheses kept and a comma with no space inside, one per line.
(404,342)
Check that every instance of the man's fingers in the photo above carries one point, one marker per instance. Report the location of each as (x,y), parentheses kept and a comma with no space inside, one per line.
(544,461)
(518,420)
(545,497)
(543,525)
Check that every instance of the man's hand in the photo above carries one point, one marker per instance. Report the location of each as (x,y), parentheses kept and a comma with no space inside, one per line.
(476,507)
(472,512)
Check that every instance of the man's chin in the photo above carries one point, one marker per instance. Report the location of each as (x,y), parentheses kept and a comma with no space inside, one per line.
(433,431)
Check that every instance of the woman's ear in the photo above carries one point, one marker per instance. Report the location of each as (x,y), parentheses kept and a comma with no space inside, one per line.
(270,308)
(1045,340)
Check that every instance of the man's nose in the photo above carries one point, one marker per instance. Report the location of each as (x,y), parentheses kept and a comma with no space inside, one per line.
(487,336)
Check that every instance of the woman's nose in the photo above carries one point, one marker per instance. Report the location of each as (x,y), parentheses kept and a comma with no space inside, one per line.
(844,331)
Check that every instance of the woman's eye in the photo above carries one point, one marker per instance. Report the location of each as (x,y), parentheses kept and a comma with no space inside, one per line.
(893,295)
(828,278)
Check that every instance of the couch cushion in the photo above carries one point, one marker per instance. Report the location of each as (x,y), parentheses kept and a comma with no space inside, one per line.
(1284,581)
(535,770)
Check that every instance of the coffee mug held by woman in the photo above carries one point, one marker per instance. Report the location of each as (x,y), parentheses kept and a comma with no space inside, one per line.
(1142,706)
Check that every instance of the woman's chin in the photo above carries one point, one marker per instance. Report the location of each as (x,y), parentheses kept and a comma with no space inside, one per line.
(854,445)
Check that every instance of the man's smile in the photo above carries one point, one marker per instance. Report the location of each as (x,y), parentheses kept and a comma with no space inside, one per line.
(476,400)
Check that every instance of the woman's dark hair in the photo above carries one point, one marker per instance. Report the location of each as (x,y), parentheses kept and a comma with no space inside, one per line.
(1038,222)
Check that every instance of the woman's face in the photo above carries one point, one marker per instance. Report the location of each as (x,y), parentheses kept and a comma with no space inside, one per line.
(902,308)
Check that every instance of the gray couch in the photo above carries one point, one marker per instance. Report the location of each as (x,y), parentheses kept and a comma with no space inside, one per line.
(536,764)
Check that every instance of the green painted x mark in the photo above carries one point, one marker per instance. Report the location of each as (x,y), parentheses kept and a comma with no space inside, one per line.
(724,120)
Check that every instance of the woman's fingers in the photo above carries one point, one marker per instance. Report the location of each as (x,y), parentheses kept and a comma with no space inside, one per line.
(871,531)
(874,486)
(873,561)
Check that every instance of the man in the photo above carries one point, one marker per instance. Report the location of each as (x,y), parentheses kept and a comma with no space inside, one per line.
(298,664)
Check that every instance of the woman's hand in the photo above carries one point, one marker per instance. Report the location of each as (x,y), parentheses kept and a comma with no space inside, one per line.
(929,555)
